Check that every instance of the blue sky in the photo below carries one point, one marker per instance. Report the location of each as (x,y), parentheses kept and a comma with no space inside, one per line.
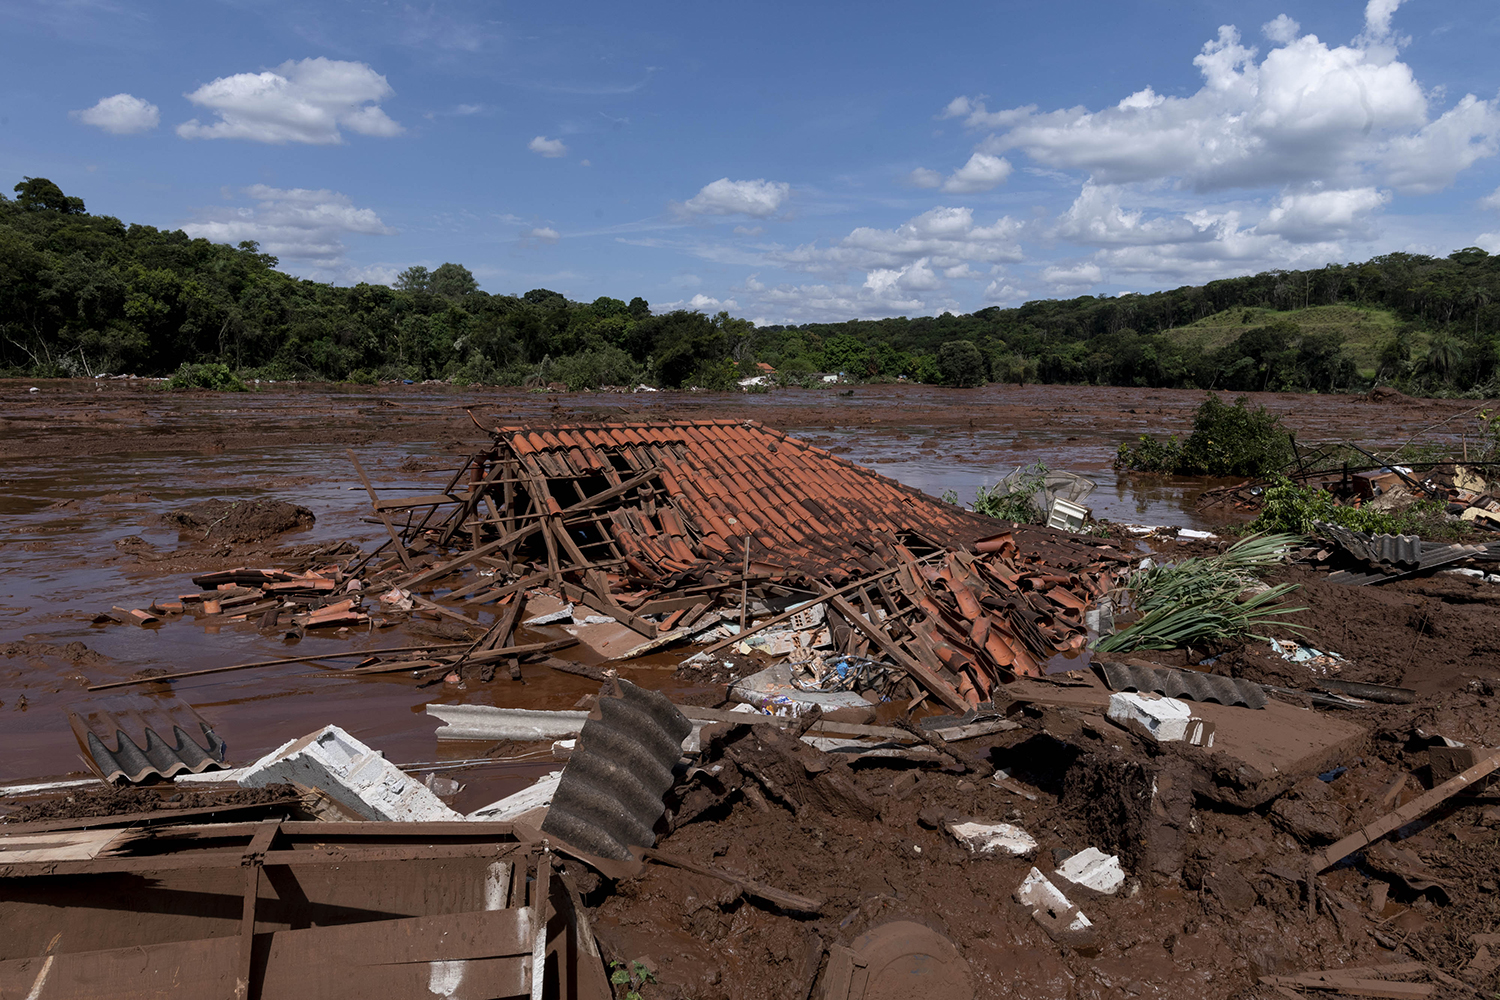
(787,162)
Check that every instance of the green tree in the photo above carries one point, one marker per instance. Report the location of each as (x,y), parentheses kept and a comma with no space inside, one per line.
(39,194)
(961,364)
(452,281)
(414,279)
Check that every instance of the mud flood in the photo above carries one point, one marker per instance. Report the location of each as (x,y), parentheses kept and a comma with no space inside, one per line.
(88,469)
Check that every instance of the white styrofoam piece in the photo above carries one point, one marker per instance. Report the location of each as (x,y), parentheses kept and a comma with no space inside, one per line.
(537,795)
(1168,720)
(1036,892)
(1093,869)
(352,774)
(993,838)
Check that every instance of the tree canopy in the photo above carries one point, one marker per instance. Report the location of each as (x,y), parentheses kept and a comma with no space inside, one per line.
(82,294)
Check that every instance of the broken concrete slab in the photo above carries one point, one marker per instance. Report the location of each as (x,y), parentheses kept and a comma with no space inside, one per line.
(352,774)
(993,838)
(1166,720)
(1256,756)
(1093,870)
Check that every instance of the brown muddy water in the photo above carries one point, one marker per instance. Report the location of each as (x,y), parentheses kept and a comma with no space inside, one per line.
(85,465)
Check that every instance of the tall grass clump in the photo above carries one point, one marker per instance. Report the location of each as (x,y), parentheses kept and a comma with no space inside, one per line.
(1205,600)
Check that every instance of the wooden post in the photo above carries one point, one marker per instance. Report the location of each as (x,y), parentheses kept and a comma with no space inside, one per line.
(745,585)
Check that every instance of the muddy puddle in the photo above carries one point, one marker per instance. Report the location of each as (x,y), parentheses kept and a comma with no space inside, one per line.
(87,471)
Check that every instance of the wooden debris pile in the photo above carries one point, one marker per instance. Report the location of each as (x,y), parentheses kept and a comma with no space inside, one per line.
(275,598)
(664,526)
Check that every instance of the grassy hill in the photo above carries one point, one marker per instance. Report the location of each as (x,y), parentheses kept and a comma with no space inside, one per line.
(1363,328)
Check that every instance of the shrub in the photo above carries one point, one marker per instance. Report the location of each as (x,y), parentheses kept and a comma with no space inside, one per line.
(1292,508)
(592,369)
(214,375)
(1226,441)
(1150,454)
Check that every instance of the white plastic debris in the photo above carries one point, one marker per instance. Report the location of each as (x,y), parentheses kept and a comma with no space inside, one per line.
(1296,652)
(993,838)
(1093,869)
(1166,719)
(772,691)
(1050,908)
(358,778)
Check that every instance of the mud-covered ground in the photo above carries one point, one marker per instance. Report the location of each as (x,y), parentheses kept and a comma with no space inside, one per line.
(1215,896)
(96,478)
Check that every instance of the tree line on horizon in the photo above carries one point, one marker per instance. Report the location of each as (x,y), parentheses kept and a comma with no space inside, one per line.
(84,294)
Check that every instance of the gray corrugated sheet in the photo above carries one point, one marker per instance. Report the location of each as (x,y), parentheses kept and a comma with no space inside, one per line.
(141,753)
(1189,684)
(1433,557)
(610,796)
(158,758)
(1388,552)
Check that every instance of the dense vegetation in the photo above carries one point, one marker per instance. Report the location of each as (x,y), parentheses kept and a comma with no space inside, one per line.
(1226,441)
(82,294)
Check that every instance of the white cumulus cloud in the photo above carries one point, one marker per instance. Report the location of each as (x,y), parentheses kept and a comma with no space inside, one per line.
(1306,112)
(946,237)
(981,173)
(122,114)
(542,234)
(1073,279)
(1323,215)
(544,146)
(304,226)
(1281,29)
(758,198)
(698,303)
(307,101)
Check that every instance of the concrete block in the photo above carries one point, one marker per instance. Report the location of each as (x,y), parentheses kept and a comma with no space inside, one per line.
(1093,870)
(358,778)
(993,838)
(1166,720)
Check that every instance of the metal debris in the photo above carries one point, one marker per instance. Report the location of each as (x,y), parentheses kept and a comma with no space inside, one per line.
(1193,685)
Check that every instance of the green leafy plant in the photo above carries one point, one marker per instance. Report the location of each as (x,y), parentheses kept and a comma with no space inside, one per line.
(1018,504)
(632,977)
(1150,454)
(214,375)
(1289,507)
(1205,600)
(1226,441)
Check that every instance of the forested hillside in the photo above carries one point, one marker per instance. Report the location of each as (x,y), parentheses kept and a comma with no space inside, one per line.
(83,294)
